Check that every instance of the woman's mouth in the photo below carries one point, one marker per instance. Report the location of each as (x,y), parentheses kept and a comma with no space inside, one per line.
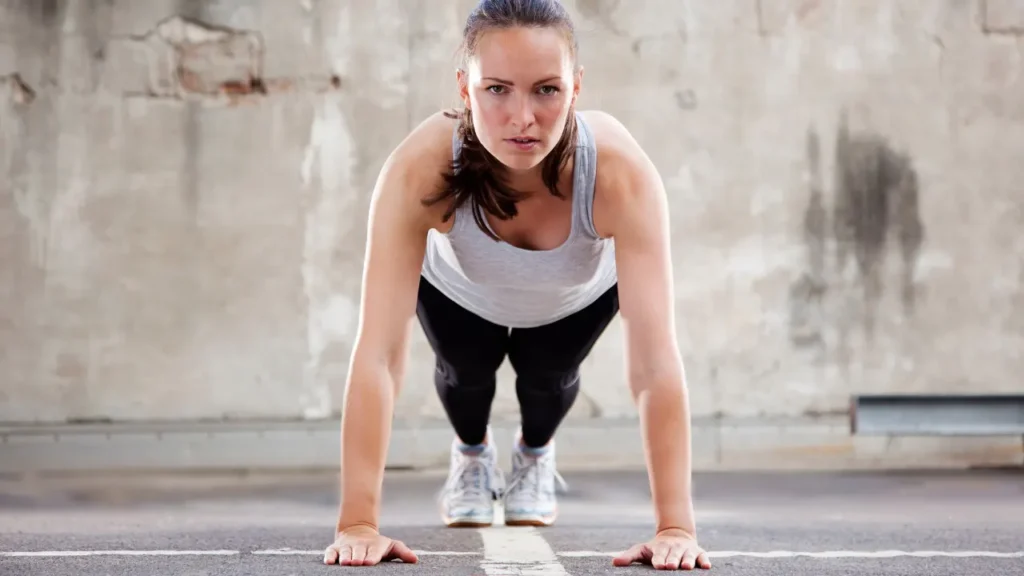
(524,143)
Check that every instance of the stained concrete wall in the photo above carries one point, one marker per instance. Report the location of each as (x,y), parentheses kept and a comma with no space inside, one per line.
(184,185)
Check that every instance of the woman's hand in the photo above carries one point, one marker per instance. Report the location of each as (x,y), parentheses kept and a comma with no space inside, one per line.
(363,546)
(669,550)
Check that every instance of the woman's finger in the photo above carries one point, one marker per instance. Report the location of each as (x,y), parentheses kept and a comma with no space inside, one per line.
(703,560)
(689,558)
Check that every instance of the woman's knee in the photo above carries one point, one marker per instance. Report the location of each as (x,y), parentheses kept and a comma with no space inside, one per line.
(466,376)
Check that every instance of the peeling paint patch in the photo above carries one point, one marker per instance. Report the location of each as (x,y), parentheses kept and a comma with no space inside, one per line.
(184,58)
(212,60)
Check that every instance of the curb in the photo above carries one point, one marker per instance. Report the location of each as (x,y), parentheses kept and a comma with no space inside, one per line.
(820,443)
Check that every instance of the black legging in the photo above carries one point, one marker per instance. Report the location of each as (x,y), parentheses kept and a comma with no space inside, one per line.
(546,360)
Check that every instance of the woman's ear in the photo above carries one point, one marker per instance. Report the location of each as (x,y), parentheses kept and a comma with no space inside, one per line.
(577,84)
(462,80)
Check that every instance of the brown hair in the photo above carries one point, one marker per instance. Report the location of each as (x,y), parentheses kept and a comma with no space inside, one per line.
(475,175)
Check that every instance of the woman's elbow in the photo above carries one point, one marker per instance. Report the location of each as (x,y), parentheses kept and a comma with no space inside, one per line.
(658,376)
(374,369)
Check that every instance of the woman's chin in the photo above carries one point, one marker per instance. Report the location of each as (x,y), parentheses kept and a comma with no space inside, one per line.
(519,160)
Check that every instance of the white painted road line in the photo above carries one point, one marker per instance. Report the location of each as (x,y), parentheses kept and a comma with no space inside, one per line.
(521,548)
(830,554)
(868,554)
(66,553)
(294,552)
(518,551)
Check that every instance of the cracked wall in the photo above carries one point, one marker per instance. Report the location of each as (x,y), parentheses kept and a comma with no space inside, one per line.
(184,186)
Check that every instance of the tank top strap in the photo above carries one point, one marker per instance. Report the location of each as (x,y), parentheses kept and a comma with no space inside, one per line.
(585,178)
(456,141)
(462,212)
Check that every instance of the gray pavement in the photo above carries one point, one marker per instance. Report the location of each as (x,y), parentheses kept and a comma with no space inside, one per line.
(820,524)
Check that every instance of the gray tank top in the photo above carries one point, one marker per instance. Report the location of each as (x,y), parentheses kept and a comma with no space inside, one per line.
(521,288)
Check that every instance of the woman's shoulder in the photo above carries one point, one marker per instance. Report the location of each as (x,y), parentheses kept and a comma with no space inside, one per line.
(625,174)
(417,165)
(427,148)
(613,140)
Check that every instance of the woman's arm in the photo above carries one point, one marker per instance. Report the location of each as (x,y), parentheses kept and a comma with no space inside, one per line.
(633,209)
(396,239)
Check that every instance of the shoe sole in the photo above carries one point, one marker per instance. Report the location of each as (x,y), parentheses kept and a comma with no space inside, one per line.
(531,520)
(467,524)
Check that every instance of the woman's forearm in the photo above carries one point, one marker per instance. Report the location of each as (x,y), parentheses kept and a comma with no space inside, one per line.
(665,427)
(365,435)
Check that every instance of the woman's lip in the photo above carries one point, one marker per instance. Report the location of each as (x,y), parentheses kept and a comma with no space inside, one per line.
(524,145)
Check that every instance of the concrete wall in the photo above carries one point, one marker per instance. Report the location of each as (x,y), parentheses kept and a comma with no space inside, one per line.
(182,206)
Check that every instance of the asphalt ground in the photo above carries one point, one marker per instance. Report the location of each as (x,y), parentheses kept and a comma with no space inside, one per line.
(815,524)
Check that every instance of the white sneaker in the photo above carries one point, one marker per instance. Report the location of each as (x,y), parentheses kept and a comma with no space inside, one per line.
(530,499)
(473,484)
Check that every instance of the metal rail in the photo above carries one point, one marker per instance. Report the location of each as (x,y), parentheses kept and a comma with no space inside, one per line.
(937,415)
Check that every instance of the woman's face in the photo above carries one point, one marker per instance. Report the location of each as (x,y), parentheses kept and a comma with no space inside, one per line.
(520,88)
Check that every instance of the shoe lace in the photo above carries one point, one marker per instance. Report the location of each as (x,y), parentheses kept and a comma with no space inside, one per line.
(527,478)
(470,479)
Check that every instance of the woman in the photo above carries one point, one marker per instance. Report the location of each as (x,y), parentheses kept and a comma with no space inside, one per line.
(520,232)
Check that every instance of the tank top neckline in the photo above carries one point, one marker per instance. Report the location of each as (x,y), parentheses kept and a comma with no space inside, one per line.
(579,186)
